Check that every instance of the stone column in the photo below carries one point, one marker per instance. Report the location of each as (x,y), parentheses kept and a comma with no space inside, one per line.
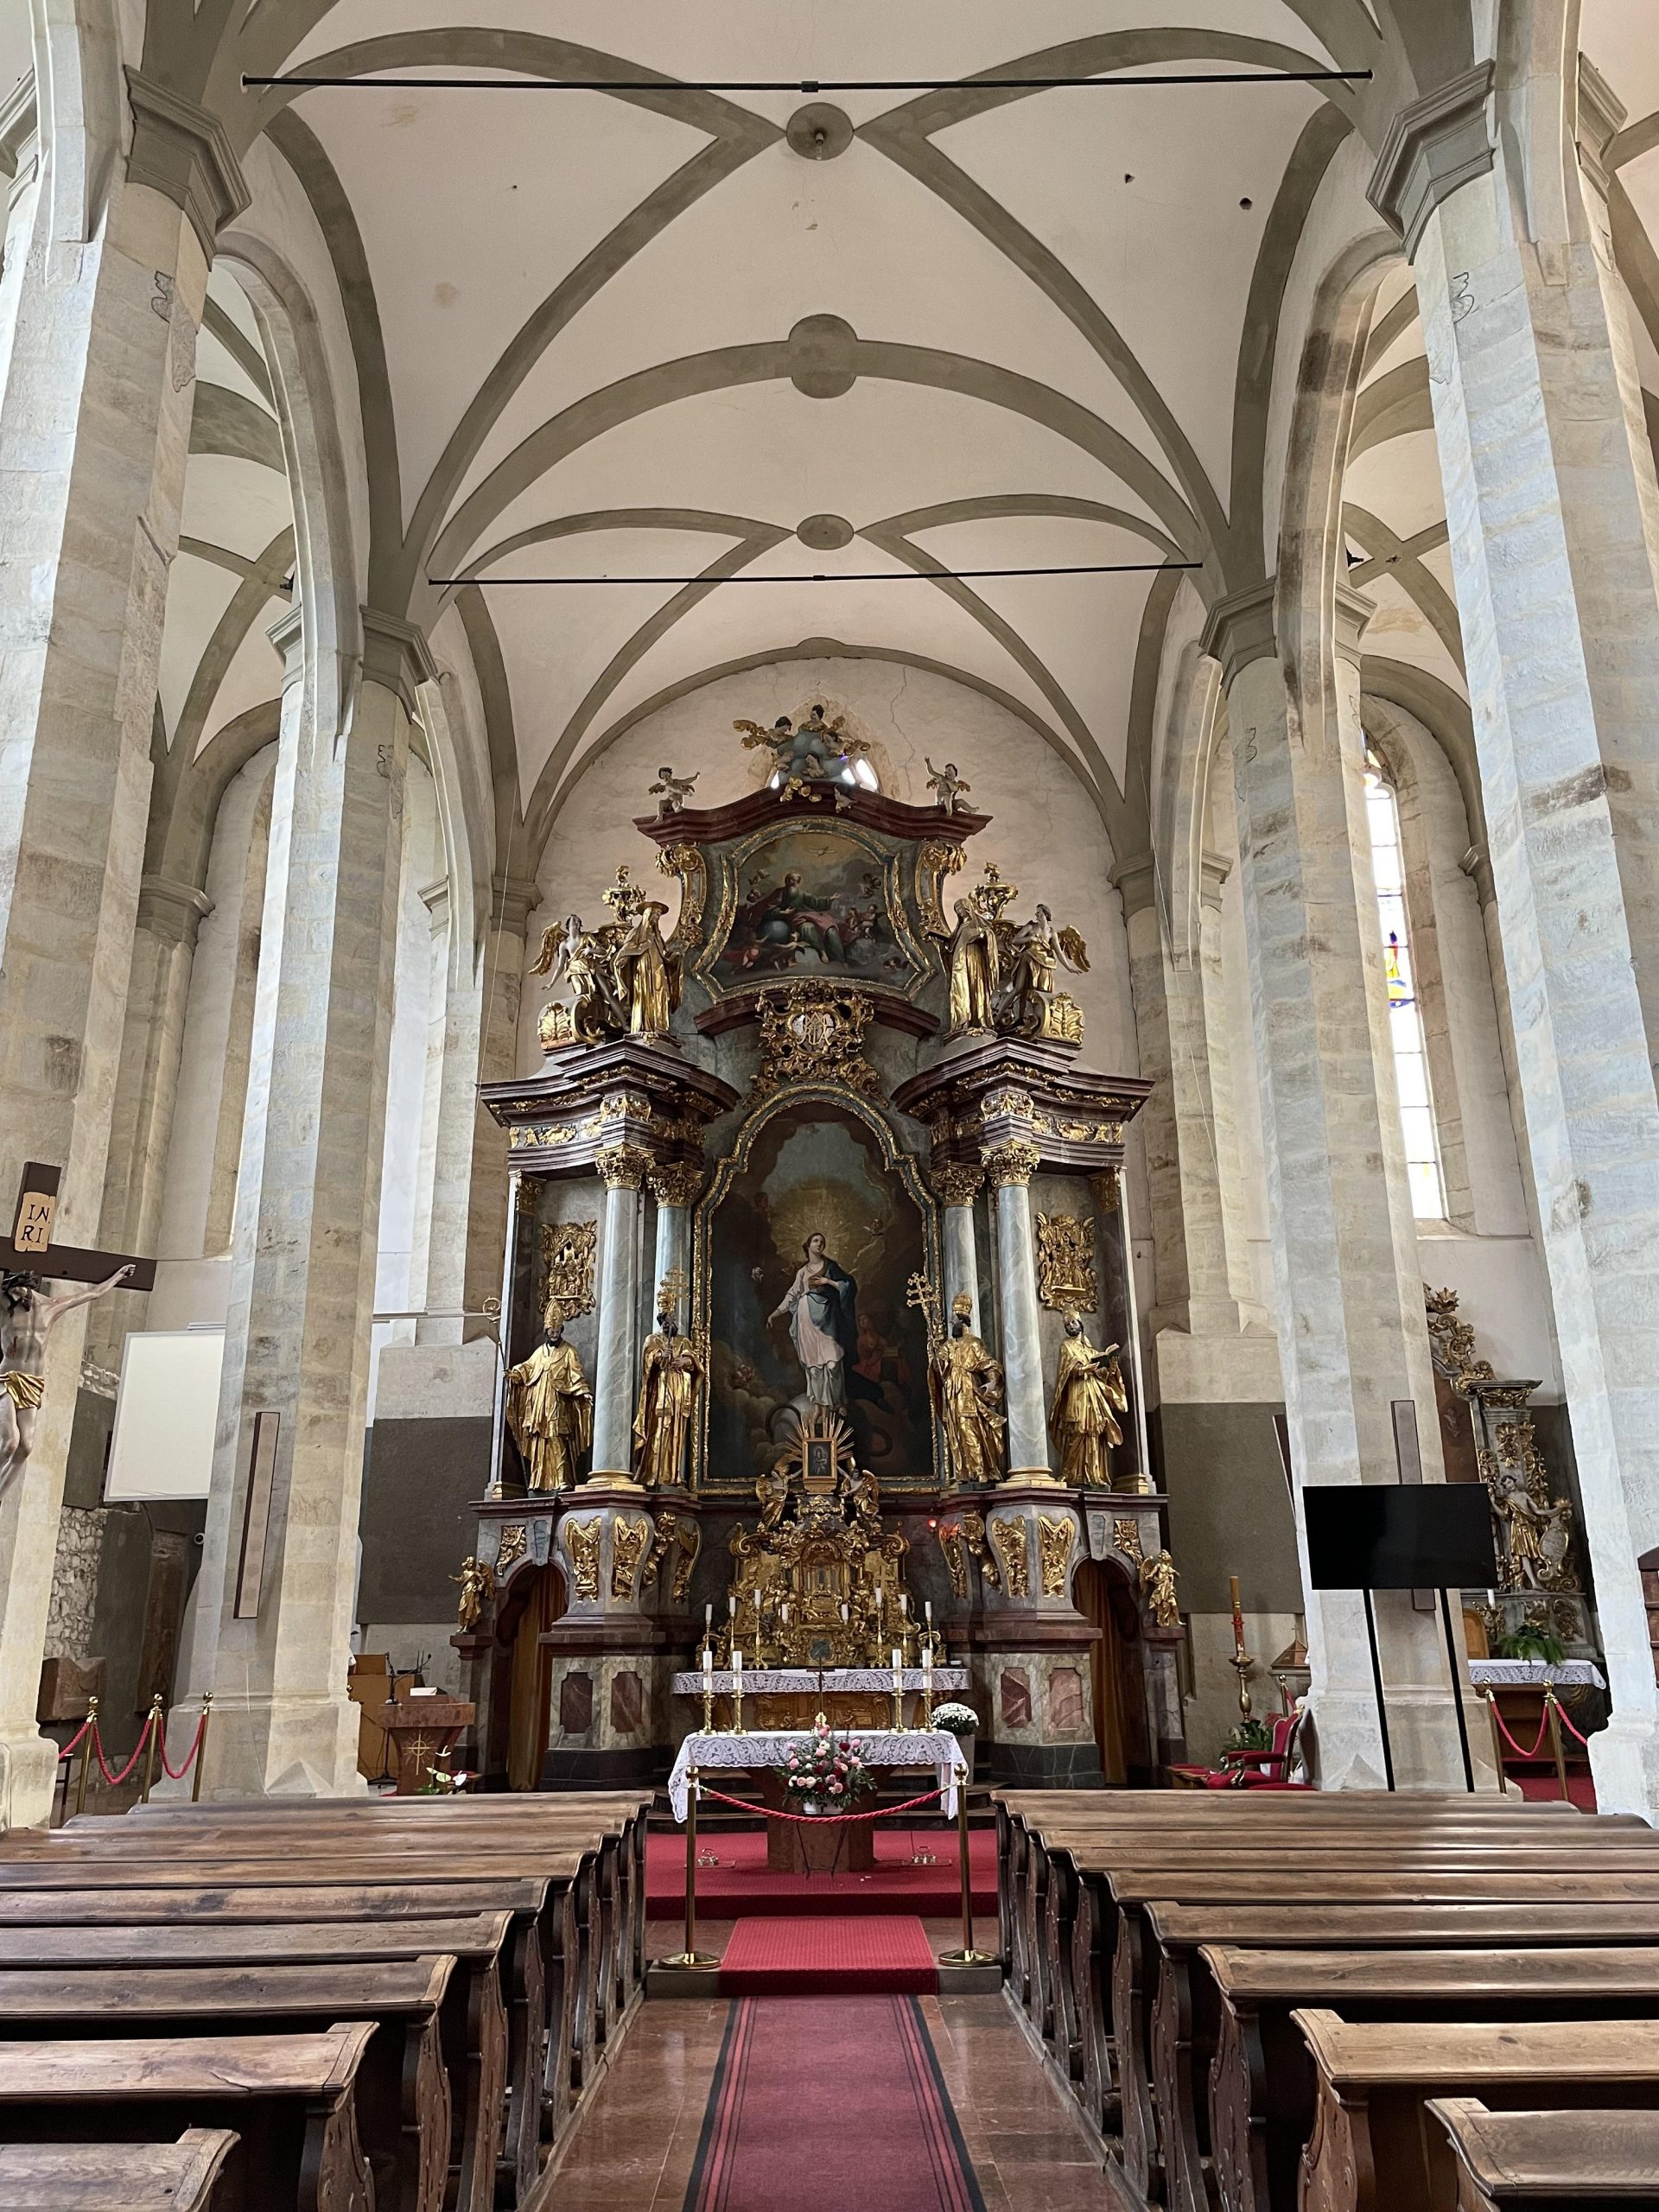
(163,953)
(958,1186)
(94,429)
(624,1167)
(674,1188)
(1185,1171)
(1551,506)
(297,1334)
(1351,1331)
(513,899)
(1009,1169)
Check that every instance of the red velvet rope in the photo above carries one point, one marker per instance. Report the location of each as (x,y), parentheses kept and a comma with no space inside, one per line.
(1560,1712)
(819,1819)
(178,1773)
(116,1780)
(75,1739)
(1543,1729)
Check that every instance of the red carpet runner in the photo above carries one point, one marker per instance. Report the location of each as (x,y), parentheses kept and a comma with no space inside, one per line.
(856,1955)
(835,2105)
(740,1884)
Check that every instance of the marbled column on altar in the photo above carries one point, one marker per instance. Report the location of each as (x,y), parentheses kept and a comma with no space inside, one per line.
(957,1187)
(1036,1127)
(600,1126)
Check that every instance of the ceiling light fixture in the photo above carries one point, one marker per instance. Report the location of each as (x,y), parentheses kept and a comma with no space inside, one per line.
(864,577)
(302,83)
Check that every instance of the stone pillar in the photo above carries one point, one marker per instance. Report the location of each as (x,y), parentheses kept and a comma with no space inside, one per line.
(1009,1169)
(1185,1171)
(163,952)
(958,1186)
(674,1188)
(1551,507)
(624,1167)
(512,899)
(94,429)
(1352,1330)
(297,1334)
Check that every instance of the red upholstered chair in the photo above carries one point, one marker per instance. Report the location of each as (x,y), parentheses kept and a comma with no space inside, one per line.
(1262,1769)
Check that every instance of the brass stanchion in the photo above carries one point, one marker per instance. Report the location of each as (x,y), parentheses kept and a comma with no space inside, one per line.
(201,1745)
(87,1741)
(1554,1713)
(152,1736)
(690,1957)
(1491,1697)
(966,1956)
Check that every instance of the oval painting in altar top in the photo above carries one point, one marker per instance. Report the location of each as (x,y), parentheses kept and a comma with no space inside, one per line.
(813,1237)
(810,901)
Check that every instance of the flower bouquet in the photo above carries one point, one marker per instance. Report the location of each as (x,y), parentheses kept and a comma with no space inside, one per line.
(826,1774)
(956,1719)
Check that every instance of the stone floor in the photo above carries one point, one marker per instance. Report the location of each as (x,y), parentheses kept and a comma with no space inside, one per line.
(634,2148)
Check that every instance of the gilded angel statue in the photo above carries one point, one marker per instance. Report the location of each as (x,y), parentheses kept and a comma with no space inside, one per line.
(577,956)
(1037,950)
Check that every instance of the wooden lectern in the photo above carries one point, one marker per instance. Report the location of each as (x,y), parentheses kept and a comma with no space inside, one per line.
(422,1729)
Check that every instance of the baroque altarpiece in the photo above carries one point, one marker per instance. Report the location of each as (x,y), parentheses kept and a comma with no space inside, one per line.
(816,1176)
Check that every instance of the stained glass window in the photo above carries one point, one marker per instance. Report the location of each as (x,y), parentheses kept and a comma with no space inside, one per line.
(1405,1016)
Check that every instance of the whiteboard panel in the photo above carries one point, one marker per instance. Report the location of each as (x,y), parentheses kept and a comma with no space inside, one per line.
(165,1409)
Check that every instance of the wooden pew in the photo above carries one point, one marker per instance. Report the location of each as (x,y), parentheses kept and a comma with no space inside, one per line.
(473,2018)
(1262,2084)
(1549,2161)
(293,2098)
(182,2176)
(540,2013)
(403,2087)
(1373,2144)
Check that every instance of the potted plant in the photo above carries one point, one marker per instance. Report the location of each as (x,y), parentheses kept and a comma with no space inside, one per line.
(1530,1643)
(958,1721)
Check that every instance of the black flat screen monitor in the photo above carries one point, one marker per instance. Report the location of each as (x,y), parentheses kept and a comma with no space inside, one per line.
(1399,1536)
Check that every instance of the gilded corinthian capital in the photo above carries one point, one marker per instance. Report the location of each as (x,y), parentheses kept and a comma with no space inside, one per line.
(675,1186)
(958,1184)
(623,1165)
(1016,1161)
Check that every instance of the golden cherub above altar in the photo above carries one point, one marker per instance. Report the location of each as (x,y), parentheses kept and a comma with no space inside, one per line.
(818,1582)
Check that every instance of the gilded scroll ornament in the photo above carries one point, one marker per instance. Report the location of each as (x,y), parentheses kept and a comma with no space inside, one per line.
(568,1248)
(628,1541)
(676,1185)
(583,1541)
(1066,1281)
(1126,1535)
(515,1542)
(689,1542)
(686,862)
(973,1530)
(1453,1340)
(814,1032)
(1056,1533)
(953,1545)
(936,859)
(1008,1538)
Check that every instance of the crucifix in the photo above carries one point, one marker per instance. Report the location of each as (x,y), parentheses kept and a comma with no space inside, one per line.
(27,1315)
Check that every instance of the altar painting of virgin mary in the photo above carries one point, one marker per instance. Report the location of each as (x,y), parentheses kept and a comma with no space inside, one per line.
(811,1248)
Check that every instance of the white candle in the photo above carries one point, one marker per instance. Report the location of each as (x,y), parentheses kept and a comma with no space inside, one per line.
(843,1612)
(709,1622)
(904,1603)
(928,1610)
(730,1605)
(897,1671)
(737,1673)
(708,1668)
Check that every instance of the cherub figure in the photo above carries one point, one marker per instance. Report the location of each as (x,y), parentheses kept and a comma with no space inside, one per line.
(671,792)
(946,785)
(772,1490)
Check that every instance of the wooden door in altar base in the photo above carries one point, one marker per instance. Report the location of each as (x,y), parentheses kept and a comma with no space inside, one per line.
(822,1846)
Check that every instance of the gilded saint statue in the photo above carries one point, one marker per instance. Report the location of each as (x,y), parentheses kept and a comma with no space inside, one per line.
(1088,1395)
(965,1384)
(646,976)
(1526,1525)
(477,1584)
(551,1409)
(975,967)
(671,1370)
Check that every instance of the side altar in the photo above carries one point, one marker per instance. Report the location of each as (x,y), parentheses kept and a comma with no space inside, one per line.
(818,1322)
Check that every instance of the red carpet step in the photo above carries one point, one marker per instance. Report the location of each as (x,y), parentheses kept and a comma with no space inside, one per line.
(740,1885)
(855,1955)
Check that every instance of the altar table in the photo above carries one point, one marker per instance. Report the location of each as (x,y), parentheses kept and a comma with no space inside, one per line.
(767,1748)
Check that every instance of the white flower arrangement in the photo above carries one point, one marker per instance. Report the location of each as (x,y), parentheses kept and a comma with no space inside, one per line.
(956,1719)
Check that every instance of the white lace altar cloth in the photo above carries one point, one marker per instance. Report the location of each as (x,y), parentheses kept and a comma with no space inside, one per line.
(1512,1673)
(760,1682)
(922,1747)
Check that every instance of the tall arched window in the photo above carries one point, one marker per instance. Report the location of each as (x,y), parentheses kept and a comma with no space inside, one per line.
(1405,1016)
